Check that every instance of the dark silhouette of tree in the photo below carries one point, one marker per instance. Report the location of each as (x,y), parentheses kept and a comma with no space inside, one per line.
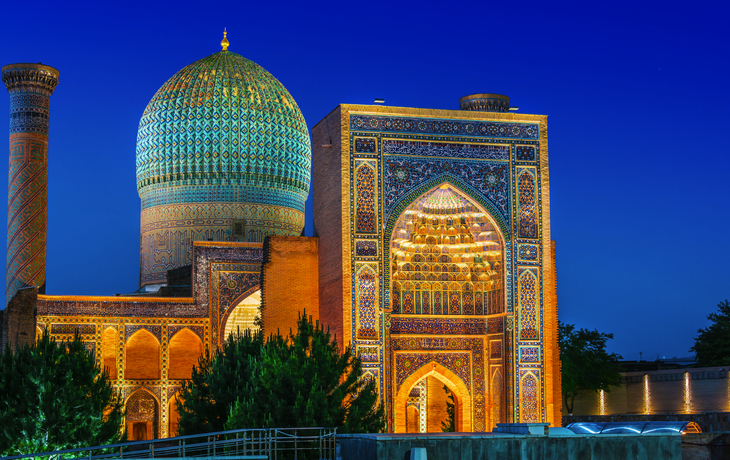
(586,365)
(712,345)
(295,381)
(449,425)
(303,380)
(53,397)
(205,401)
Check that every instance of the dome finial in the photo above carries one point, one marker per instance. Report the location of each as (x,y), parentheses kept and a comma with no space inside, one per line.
(224,42)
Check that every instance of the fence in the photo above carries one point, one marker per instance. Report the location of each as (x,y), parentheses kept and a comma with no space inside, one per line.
(249,444)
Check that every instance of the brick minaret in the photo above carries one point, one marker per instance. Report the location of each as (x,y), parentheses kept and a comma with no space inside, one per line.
(30,87)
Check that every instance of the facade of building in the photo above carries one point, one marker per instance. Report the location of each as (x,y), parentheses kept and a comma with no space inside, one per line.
(432,257)
(436,260)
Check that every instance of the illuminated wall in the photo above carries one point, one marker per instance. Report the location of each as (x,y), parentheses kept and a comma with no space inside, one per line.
(675,391)
(464,294)
(150,344)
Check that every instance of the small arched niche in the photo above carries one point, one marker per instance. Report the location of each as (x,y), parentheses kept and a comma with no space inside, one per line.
(184,350)
(142,361)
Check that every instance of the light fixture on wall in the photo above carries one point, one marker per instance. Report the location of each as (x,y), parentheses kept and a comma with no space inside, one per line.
(379,100)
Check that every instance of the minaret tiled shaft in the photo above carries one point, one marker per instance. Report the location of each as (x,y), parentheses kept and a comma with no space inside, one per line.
(30,87)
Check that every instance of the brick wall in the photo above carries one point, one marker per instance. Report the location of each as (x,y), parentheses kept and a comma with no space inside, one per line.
(290,282)
(327,198)
(18,320)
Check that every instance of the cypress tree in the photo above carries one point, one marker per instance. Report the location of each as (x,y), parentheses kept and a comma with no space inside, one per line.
(53,397)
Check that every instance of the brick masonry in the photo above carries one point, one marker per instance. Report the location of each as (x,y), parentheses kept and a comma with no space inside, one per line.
(290,282)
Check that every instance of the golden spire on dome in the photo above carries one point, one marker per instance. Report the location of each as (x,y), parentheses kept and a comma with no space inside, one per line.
(224,42)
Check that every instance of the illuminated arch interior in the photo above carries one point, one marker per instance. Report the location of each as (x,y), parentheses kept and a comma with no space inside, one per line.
(243,315)
(446,257)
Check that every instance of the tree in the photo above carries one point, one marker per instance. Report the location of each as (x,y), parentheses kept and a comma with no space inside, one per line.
(712,345)
(586,365)
(304,380)
(449,425)
(53,397)
(205,401)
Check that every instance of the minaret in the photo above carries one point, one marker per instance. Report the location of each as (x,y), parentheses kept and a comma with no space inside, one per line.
(30,87)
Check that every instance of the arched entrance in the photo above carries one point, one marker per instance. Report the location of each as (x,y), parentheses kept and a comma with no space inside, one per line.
(446,285)
(143,414)
(433,376)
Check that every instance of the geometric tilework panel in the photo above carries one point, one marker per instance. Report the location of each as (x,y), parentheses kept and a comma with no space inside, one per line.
(527,205)
(27,213)
(489,179)
(528,252)
(365,200)
(366,248)
(527,288)
(367,304)
(365,144)
(448,127)
(407,363)
(525,153)
(529,398)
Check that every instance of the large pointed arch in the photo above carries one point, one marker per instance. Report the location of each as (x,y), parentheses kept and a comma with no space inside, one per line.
(421,239)
(448,378)
(393,214)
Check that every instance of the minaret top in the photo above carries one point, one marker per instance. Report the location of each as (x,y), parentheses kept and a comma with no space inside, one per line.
(224,42)
(30,77)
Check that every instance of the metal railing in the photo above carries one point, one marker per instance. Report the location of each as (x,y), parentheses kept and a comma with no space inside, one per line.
(245,444)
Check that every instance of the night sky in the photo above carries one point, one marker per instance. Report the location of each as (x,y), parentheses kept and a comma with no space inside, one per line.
(638,99)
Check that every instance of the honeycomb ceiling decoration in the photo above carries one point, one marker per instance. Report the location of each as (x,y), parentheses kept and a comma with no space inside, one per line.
(443,243)
(225,121)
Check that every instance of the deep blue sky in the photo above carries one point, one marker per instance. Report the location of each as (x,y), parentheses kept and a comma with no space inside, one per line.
(637,96)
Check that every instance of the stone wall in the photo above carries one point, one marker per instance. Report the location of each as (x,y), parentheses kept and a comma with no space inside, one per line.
(290,282)
(706,446)
(675,391)
(447,446)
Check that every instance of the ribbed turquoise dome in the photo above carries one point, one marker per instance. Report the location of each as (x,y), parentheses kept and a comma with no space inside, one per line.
(225,120)
(223,154)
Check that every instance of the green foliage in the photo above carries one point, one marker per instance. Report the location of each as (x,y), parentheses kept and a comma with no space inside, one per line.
(53,397)
(298,381)
(712,345)
(449,425)
(205,400)
(304,380)
(585,363)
